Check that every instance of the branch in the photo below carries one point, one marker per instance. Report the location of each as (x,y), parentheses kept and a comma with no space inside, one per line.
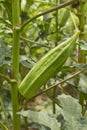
(48,11)
(3,126)
(8,79)
(56,84)
(31,41)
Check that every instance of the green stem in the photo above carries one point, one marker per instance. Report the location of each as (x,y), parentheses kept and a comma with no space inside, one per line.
(54,99)
(55,89)
(81,14)
(81,101)
(15,62)
(69,2)
(81,56)
(11,81)
(54,96)
(26,123)
(73,20)
(56,19)
(3,126)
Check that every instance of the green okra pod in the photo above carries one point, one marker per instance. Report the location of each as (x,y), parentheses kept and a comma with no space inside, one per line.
(47,67)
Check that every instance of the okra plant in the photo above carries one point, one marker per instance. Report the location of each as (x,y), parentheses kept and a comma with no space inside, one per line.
(43,47)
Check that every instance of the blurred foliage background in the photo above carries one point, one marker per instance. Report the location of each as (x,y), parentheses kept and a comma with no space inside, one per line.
(37,38)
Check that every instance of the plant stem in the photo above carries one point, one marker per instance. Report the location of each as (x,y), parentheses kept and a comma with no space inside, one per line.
(81,56)
(26,123)
(15,62)
(3,126)
(11,81)
(54,96)
(55,89)
(56,19)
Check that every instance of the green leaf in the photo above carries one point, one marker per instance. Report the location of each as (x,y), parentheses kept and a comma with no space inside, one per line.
(85,9)
(83,45)
(83,83)
(71,111)
(42,118)
(70,106)
(5,55)
(30,2)
(26,62)
(64,18)
(8,6)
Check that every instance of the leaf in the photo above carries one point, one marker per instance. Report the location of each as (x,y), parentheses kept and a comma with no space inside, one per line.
(26,62)
(70,106)
(30,2)
(83,45)
(5,55)
(42,118)
(85,9)
(8,6)
(71,111)
(83,83)
(64,18)
(23,5)
(80,65)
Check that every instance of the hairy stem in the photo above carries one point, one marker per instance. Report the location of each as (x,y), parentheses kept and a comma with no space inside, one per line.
(15,62)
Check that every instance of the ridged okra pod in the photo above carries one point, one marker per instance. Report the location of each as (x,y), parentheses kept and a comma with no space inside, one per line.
(47,67)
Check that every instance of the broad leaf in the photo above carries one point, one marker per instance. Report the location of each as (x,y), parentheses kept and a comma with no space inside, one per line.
(71,111)
(83,83)
(42,118)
